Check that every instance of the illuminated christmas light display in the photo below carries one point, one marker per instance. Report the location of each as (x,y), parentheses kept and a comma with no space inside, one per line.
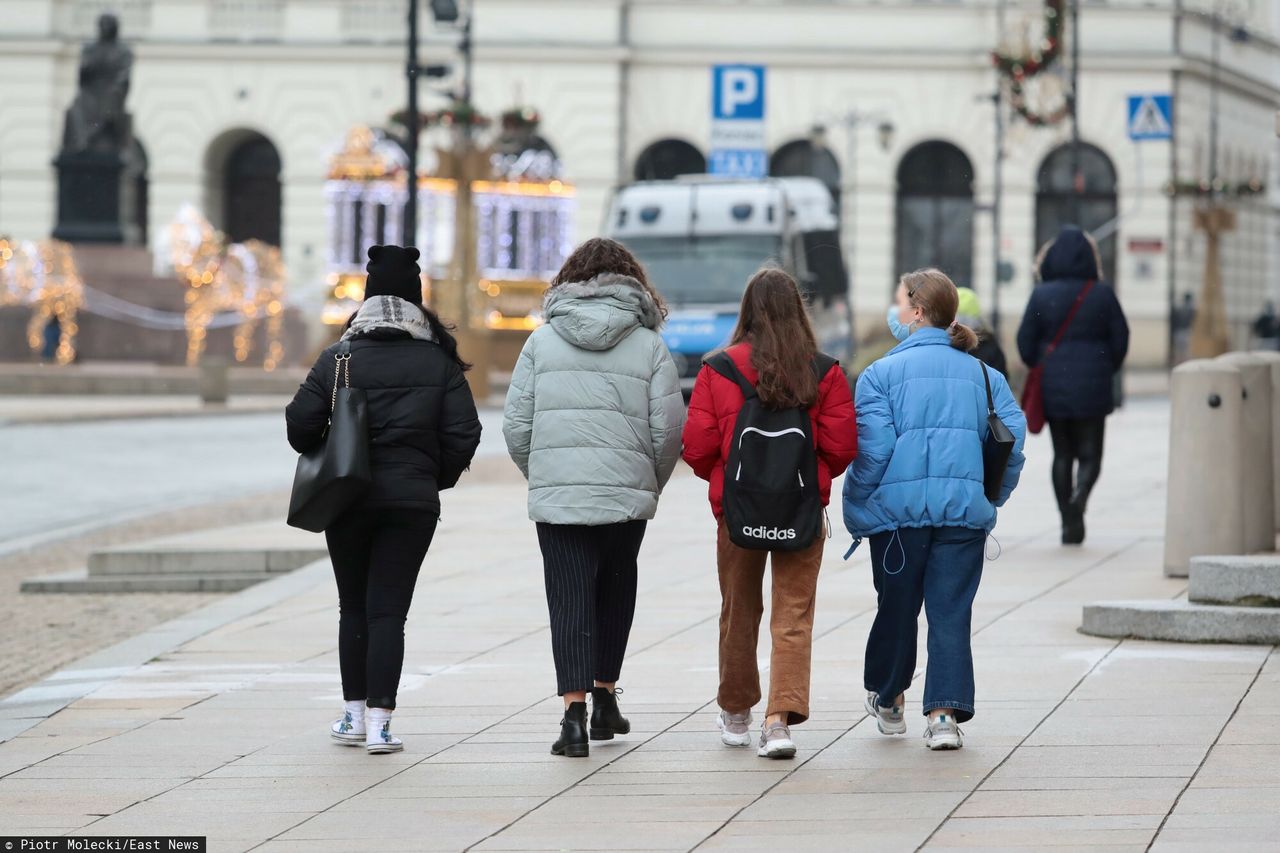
(43,275)
(524,224)
(247,279)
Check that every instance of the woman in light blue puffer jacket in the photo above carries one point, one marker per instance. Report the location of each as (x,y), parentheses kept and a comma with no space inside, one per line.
(916,490)
(593,419)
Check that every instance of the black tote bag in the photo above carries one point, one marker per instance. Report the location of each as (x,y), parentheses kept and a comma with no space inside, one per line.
(996,448)
(334,475)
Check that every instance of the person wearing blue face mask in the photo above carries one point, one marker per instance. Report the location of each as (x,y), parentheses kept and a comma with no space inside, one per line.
(916,490)
(900,332)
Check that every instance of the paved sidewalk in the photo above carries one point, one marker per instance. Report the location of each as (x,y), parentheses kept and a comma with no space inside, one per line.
(1078,741)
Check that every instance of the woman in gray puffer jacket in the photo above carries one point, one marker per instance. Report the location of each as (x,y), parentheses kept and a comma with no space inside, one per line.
(593,418)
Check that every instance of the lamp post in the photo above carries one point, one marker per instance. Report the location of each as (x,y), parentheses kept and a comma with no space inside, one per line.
(1077,177)
(997,189)
(851,121)
(411,143)
(444,11)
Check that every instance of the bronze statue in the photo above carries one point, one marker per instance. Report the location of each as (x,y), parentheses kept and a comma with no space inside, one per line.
(97,120)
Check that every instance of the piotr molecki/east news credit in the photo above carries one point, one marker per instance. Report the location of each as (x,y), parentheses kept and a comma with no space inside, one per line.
(61,844)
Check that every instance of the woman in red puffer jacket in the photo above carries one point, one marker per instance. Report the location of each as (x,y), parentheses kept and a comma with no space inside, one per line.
(774,349)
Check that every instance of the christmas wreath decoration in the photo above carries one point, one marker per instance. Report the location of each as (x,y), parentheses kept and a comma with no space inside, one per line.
(1017,69)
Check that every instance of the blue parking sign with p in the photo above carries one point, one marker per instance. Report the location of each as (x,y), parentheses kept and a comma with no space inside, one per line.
(737,92)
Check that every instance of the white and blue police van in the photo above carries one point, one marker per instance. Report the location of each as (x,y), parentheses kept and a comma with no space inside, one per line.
(701,238)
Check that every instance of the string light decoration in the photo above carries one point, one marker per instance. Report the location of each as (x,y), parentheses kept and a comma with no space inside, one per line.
(524,220)
(244,278)
(1202,189)
(1020,68)
(43,275)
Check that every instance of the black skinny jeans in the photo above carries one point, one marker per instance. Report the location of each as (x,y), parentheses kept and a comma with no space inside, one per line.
(1077,459)
(590,573)
(376,556)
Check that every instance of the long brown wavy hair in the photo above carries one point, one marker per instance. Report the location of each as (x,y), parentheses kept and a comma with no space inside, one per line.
(599,256)
(773,319)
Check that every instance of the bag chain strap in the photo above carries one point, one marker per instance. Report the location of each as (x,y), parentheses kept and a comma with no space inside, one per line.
(341,366)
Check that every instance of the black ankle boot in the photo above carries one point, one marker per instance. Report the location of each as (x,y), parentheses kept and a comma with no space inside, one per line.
(606,719)
(573,732)
(1072,525)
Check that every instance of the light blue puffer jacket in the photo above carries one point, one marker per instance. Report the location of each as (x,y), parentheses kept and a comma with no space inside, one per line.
(922,418)
(594,411)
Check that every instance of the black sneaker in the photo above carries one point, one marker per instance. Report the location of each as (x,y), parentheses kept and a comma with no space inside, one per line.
(606,719)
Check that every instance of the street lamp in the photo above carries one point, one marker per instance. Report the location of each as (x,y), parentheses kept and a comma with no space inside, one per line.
(444,12)
(852,120)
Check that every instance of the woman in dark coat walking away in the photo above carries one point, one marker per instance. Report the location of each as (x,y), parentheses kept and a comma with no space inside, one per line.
(1079,373)
(423,431)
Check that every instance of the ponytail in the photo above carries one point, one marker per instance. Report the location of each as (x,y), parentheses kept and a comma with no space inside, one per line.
(962,337)
(936,296)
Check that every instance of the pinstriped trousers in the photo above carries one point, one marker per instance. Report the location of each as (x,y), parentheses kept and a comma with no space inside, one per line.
(590,574)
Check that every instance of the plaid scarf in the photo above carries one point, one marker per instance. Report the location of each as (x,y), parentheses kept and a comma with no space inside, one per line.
(390,312)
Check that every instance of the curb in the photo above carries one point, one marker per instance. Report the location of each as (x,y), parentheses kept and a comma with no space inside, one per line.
(32,705)
(154,414)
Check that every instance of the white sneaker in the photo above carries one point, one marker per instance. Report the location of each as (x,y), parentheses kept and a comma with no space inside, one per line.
(888,720)
(735,729)
(349,728)
(943,733)
(776,742)
(379,739)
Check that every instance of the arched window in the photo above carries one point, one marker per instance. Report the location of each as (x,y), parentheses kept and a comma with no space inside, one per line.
(802,158)
(668,158)
(243,187)
(1056,198)
(935,211)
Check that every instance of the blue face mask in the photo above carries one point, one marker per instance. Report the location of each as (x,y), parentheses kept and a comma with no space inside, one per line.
(899,331)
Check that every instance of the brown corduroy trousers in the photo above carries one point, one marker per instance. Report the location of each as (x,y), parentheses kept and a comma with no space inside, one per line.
(795,585)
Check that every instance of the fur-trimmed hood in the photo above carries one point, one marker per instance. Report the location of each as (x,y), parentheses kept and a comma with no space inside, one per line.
(597,314)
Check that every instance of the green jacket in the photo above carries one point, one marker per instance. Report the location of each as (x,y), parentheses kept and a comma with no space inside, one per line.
(594,412)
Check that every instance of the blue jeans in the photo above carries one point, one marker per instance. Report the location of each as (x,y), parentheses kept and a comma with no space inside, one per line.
(939,567)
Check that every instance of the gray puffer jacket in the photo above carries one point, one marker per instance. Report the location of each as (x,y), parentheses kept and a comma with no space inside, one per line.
(594,412)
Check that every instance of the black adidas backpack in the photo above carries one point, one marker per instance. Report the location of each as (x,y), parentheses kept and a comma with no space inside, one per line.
(771,497)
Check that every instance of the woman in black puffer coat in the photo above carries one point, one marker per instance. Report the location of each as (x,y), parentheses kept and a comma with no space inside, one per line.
(423,431)
(1079,375)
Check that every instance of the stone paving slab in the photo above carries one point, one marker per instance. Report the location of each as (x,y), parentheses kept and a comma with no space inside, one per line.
(1079,743)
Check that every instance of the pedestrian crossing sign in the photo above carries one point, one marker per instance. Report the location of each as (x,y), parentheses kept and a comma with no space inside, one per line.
(1150,117)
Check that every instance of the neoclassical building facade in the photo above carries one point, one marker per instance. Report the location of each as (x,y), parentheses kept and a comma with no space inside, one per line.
(238,106)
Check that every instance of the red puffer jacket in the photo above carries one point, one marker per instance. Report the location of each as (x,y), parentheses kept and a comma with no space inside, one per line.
(716,401)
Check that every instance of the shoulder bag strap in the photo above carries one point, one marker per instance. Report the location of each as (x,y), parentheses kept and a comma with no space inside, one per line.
(986,378)
(822,364)
(722,363)
(1071,315)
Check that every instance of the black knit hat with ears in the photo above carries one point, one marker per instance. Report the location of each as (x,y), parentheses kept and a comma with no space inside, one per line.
(393,271)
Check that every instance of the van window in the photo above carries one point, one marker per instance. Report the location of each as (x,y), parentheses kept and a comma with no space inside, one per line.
(704,270)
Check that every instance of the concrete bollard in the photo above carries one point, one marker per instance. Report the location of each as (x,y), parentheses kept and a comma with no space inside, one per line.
(215,383)
(1258,481)
(1273,359)
(1204,508)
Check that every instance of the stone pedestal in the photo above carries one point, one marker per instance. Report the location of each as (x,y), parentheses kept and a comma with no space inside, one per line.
(1272,359)
(1205,513)
(1256,467)
(89,198)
